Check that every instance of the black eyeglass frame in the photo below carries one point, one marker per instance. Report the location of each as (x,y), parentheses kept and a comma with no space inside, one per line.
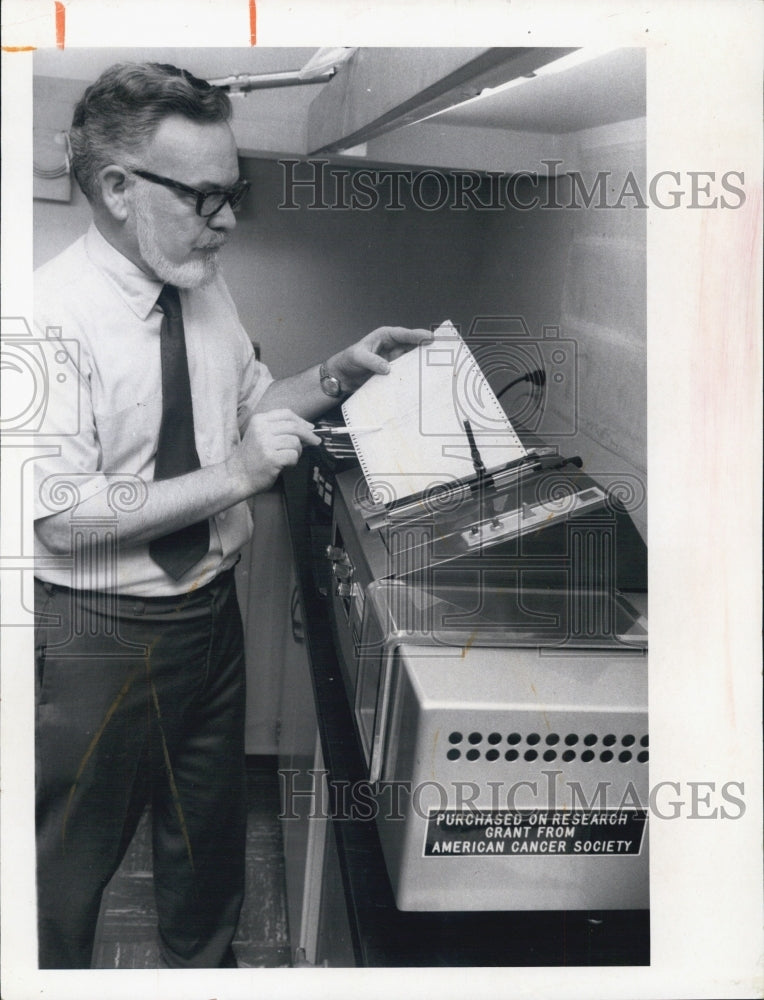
(232,196)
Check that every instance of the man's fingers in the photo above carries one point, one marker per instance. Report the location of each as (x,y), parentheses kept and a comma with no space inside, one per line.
(366,358)
(298,434)
(385,344)
(392,338)
(287,442)
(287,422)
(403,335)
(309,436)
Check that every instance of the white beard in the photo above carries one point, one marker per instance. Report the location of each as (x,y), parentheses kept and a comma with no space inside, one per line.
(192,274)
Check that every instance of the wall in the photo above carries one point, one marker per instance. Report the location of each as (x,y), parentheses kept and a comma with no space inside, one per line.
(583,270)
(55,223)
(309,281)
(604,310)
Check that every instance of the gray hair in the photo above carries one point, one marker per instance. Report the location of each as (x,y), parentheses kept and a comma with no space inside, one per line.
(125,106)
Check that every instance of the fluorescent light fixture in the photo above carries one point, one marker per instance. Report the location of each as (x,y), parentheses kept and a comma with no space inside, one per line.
(566,62)
(359,150)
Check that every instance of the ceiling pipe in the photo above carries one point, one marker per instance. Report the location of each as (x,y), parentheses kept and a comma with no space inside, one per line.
(243,83)
(320,68)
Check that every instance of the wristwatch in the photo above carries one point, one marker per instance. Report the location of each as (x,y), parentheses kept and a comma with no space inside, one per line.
(330,384)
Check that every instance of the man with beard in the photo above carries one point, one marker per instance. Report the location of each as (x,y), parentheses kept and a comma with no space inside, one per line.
(163,425)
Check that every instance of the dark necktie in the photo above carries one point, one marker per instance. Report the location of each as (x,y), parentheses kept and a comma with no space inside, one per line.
(176,454)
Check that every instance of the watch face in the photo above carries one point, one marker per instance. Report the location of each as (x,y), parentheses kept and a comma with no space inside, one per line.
(330,385)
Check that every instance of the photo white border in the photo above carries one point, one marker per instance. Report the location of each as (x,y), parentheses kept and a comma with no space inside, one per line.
(704,70)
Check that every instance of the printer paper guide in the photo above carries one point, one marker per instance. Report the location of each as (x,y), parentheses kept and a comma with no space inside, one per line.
(420,407)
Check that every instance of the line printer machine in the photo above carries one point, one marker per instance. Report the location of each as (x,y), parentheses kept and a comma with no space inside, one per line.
(493,643)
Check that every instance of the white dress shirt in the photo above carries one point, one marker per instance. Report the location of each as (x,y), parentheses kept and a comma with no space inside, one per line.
(99,328)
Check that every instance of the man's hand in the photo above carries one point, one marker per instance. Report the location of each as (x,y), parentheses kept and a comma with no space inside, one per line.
(369,356)
(273,440)
(373,353)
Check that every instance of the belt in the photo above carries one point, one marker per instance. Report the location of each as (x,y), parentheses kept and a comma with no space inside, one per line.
(194,598)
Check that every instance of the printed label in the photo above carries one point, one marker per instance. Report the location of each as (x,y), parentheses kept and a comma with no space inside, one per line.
(525,832)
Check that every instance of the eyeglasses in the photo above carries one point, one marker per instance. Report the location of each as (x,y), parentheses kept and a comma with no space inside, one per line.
(208,203)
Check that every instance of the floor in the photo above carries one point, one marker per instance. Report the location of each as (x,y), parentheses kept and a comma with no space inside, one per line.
(126,930)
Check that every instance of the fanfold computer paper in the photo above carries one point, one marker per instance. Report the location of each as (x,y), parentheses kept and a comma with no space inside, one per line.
(422,426)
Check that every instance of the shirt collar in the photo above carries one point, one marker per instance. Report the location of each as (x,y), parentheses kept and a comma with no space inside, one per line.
(138,289)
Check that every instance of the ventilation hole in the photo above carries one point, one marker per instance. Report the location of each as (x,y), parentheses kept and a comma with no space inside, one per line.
(475,737)
(494,738)
(587,755)
(511,755)
(550,754)
(492,755)
(606,755)
(514,738)
(454,754)
(628,741)
(643,756)
(472,754)
(552,739)
(645,741)
(455,738)
(624,756)
(590,740)
(569,755)
(530,754)
(571,739)
(609,740)
(533,739)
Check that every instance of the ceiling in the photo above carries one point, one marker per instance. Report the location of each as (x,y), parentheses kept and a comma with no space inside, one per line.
(608,88)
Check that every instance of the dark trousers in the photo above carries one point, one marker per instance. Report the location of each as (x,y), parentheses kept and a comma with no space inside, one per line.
(138,701)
